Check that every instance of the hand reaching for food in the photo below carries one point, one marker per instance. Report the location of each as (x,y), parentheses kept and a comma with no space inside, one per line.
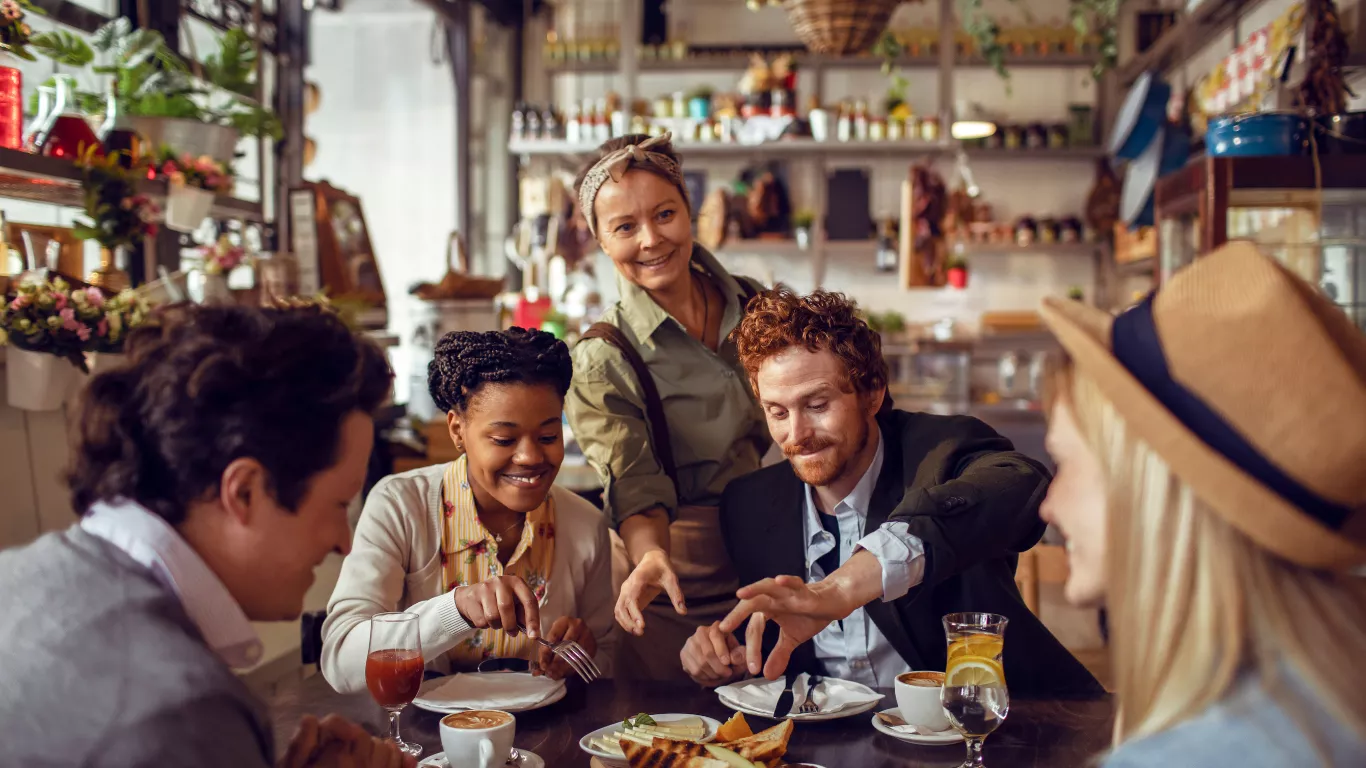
(712,657)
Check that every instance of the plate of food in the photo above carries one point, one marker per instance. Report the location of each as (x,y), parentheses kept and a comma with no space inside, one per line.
(732,745)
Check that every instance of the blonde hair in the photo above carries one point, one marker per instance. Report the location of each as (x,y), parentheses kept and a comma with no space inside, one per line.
(1193,602)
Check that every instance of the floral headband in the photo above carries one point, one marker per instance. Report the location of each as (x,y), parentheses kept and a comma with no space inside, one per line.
(615,165)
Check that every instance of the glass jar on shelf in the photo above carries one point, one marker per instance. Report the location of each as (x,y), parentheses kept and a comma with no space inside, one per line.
(67,133)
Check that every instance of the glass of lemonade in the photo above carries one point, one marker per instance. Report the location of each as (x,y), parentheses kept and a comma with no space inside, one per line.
(974,696)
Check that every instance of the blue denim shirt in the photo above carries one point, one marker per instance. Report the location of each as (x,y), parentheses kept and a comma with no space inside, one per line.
(1250,729)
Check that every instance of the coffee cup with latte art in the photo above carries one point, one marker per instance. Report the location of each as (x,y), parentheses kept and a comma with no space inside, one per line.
(479,738)
(917,696)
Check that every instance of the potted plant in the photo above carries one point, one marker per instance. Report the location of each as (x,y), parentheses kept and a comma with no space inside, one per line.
(191,185)
(118,214)
(49,327)
(699,102)
(121,314)
(216,261)
(958,272)
(802,221)
(203,112)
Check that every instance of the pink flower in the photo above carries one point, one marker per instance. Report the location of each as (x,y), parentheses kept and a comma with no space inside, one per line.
(205,164)
(169,167)
(103,328)
(94,296)
(59,300)
(83,333)
(19,302)
(69,321)
(11,10)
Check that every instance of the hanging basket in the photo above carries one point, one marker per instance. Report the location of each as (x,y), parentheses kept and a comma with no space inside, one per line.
(38,381)
(839,27)
(187,207)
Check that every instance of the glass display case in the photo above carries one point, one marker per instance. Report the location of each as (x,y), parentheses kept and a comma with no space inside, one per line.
(1308,213)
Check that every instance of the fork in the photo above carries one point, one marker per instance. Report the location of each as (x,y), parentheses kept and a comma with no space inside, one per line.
(573,654)
(810,707)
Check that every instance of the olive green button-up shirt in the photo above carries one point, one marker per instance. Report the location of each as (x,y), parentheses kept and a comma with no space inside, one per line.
(716,427)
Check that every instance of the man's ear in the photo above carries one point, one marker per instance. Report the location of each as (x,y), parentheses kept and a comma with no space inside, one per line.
(241,487)
(877,400)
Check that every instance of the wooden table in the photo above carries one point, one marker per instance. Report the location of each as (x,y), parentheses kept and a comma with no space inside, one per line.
(1036,734)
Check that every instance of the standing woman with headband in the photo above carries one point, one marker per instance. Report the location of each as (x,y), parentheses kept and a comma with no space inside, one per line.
(659,402)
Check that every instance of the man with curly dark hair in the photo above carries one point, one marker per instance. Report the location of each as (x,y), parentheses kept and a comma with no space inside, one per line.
(212,471)
(880,523)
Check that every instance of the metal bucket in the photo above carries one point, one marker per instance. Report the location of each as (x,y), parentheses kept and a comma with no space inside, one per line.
(188,136)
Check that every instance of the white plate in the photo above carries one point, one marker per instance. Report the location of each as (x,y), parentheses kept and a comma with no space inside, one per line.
(529,760)
(943,737)
(614,761)
(814,717)
(437,706)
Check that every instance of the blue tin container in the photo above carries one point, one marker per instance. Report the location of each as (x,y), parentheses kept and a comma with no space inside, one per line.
(1263,135)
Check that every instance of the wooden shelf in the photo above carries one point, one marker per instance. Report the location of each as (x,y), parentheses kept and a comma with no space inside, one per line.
(738,62)
(1048,249)
(38,179)
(813,148)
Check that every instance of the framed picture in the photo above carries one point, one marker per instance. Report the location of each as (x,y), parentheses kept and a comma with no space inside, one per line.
(333,227)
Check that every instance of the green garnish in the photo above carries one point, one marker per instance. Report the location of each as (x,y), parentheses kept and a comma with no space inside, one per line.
(638,721)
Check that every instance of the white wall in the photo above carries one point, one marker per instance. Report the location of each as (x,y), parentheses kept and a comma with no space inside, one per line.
(384,132)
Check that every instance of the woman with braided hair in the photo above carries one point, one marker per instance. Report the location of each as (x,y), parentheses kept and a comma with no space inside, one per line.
(478,545)
(660,403)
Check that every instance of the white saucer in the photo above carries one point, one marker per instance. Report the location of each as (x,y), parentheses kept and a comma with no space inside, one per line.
(529,760)
(943,737)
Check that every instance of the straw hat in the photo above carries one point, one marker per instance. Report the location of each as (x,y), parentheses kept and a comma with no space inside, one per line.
(1252,386)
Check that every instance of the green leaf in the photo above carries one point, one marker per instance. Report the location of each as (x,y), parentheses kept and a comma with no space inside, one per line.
(63,47)
(108,36)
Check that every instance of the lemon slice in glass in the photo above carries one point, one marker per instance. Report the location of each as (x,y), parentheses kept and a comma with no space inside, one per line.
(989,646)
(974,670)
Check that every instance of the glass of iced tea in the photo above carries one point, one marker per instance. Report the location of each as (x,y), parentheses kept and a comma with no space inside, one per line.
(974,696)
(393,670)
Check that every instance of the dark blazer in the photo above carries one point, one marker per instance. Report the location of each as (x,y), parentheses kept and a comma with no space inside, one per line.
(963,491)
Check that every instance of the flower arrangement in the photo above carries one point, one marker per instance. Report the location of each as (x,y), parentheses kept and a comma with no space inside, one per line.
(119,214)
(15,33)
(53,318)
(222,257)
(203,172)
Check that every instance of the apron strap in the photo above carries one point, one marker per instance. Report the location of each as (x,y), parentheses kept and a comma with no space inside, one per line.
(654,406)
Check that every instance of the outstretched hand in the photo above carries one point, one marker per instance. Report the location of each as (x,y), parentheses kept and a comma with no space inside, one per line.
(652,575)
(801,611)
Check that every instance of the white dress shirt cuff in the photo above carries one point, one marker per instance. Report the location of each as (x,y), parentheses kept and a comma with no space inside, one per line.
(901,555)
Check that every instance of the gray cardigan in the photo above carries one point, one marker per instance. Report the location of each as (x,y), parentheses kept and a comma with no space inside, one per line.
(1251,729)
(100,666)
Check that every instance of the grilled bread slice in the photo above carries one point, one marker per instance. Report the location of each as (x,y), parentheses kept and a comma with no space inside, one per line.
(668,754)
(767,745)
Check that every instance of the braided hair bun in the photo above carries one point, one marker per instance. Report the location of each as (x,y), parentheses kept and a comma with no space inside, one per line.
(465,360)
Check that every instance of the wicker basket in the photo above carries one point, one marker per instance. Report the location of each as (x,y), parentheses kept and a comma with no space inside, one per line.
(839,27)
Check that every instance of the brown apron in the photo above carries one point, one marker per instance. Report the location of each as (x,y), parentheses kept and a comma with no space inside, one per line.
(697,550)
(708,580)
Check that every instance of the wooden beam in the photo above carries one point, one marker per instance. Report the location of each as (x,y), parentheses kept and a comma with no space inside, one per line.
(1198,27)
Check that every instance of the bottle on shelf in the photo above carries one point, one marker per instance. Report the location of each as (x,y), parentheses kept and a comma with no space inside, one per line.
(67,134)
(518,122)
(533,123)
(115,133)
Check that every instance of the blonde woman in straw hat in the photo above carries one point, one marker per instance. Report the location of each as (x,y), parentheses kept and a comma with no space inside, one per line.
(1211,484)
(659,402)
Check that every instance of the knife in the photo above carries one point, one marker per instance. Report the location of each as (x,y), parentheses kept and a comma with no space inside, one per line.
(784,707)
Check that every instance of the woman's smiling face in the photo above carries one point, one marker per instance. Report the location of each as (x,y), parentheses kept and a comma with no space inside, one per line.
(643,225)
(514,443)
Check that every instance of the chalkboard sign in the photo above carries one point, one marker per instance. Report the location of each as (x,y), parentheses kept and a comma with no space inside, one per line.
(848,214)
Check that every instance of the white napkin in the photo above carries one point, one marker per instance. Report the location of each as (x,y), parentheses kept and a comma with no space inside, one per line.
(491,690)
(831,695)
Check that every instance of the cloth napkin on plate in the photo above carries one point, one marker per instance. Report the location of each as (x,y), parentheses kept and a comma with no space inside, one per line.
(831,695)
(492,690)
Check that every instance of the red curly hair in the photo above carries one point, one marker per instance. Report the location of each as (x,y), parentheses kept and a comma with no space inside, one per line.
(779,319)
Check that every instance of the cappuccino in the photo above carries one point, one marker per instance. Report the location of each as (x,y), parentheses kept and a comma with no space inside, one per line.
(922,679)
(476,719)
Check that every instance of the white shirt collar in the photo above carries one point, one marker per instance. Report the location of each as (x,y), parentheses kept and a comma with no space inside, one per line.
(857,502)
(153,543)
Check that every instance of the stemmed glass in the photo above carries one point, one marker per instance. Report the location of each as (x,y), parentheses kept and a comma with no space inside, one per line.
(393,669)
(974,696)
